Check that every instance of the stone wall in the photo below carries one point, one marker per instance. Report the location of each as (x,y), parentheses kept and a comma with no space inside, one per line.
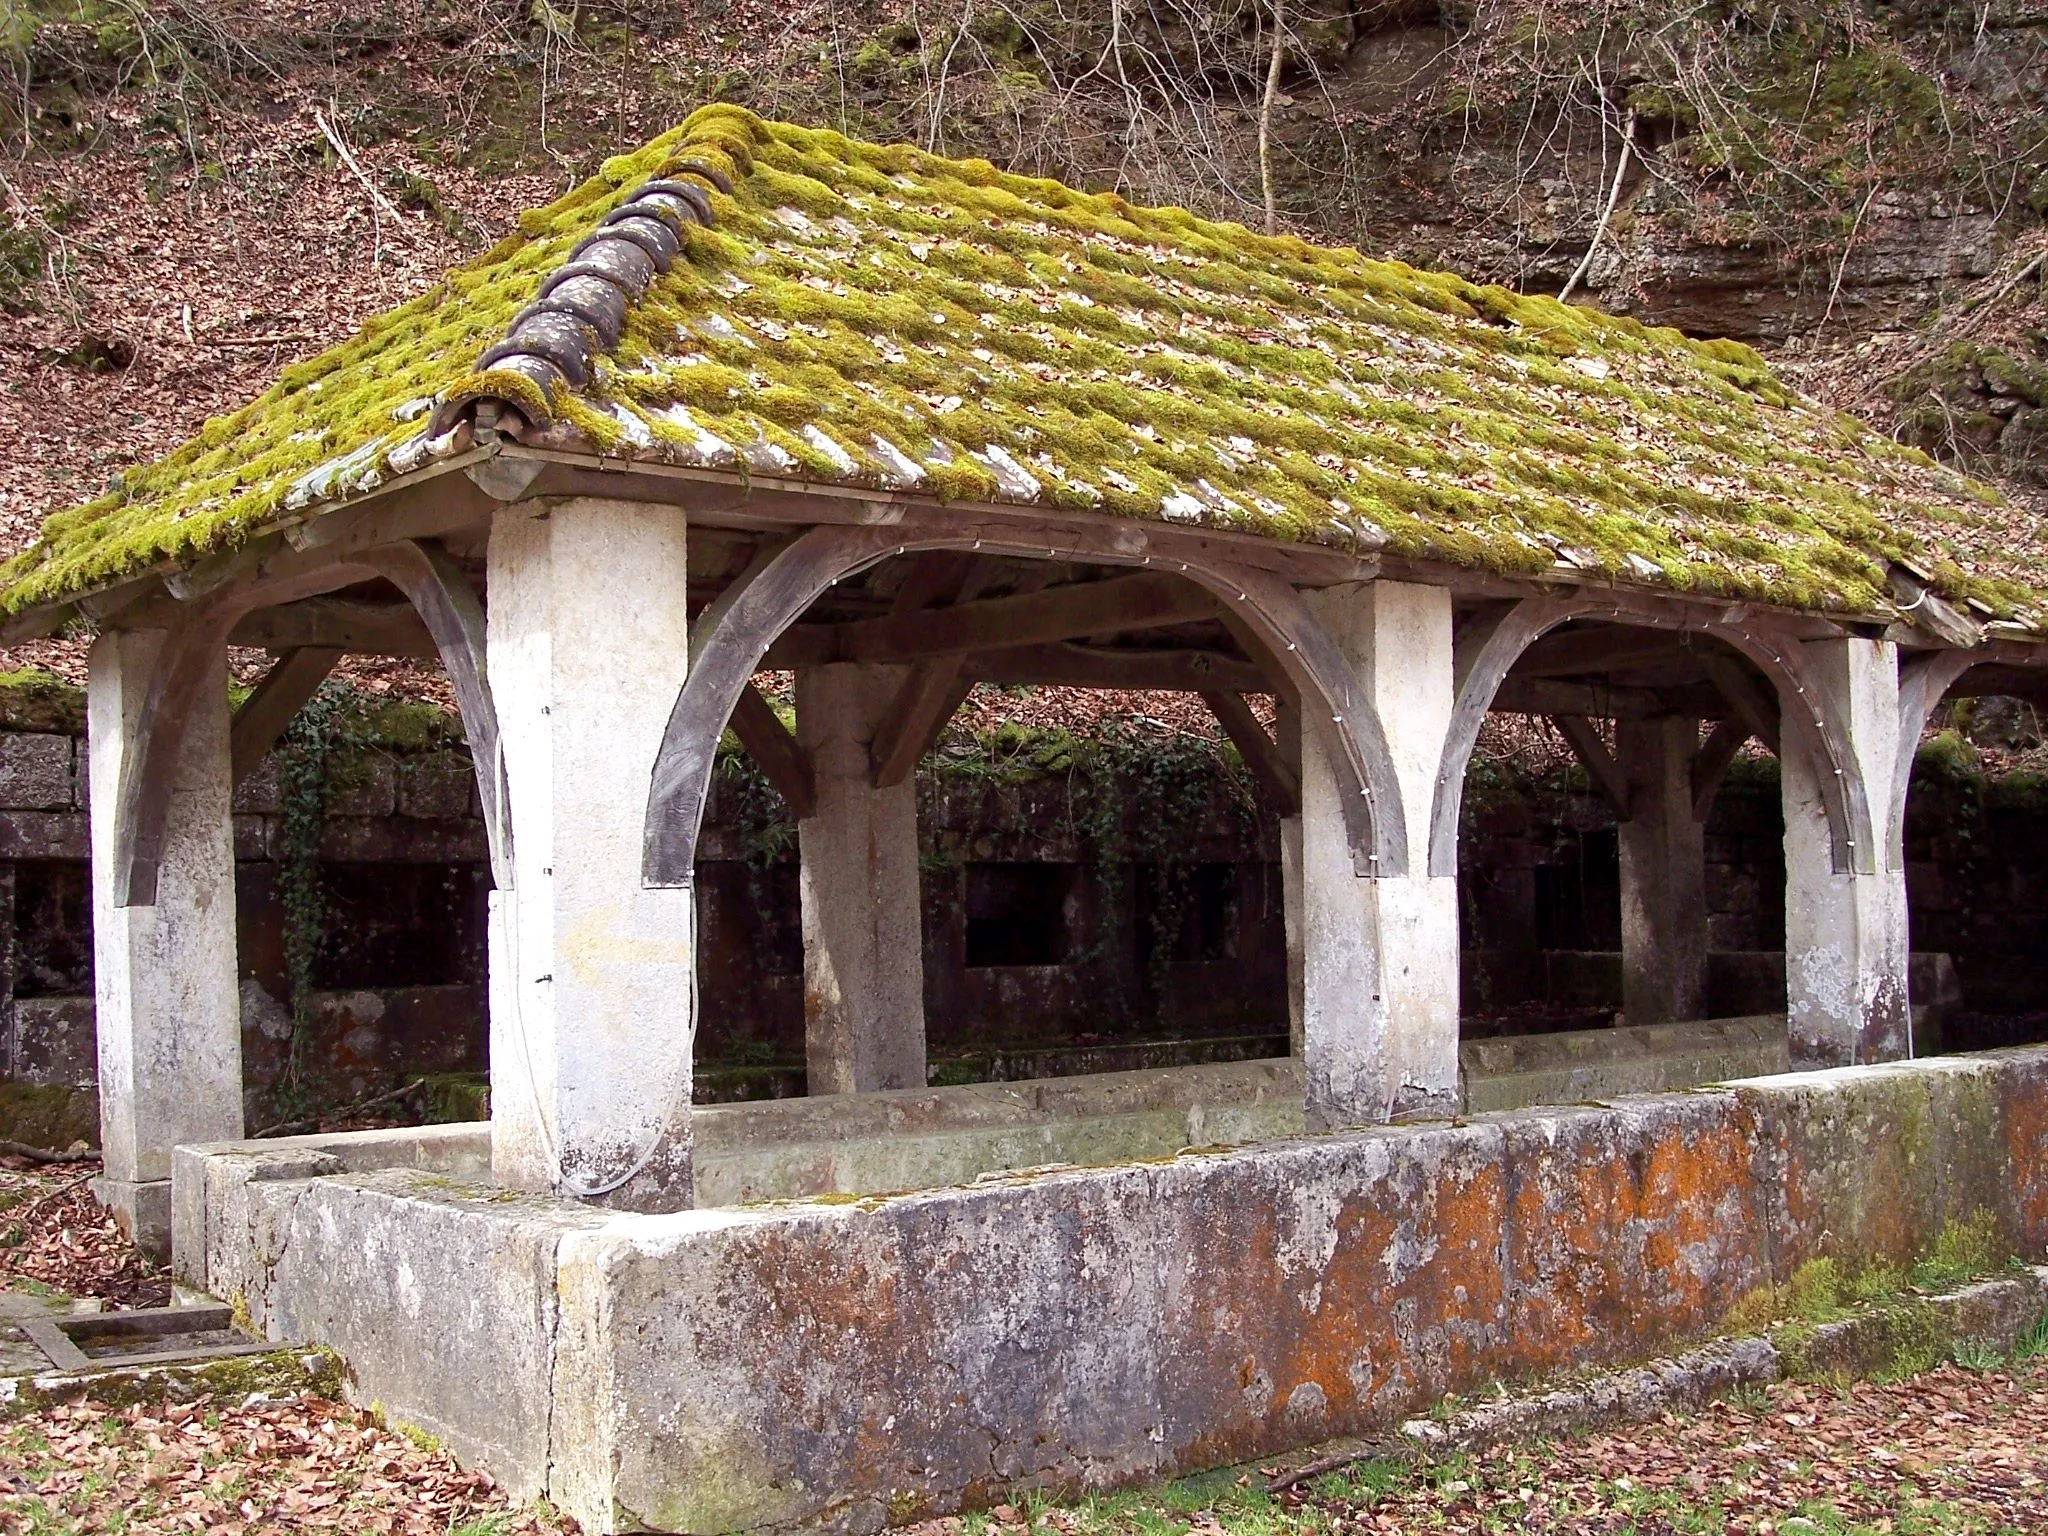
(1059,938)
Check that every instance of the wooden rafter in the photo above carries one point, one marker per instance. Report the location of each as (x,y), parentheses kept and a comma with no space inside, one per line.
(294,677)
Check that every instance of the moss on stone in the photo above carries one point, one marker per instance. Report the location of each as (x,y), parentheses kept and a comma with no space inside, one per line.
(49,1116)
(876,315)
(35,700)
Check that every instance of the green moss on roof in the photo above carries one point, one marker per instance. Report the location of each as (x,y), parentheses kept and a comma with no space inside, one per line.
(875,315)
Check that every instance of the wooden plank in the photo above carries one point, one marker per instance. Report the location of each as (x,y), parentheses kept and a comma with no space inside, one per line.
(294,677)
(1751,704)
(350,625)
(44,1333)
(1261,754)
(775,752)
(1584,740)
(437,588)
(1078,666)
(150,1322)
(1708,769)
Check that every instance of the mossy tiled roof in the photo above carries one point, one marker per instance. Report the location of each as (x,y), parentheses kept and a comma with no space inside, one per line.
(880,316)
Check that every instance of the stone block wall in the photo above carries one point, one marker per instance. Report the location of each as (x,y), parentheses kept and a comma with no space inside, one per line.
(1059,937)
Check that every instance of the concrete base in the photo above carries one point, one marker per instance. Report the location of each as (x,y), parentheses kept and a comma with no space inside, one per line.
(142,1212)
(846,1362)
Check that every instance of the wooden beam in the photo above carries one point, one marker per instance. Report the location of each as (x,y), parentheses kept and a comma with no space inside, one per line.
(1547,696)
(1708,769)
(1080,666)
(1080,609)
(775,752)
(743,626)
(1584,740)
(338,623)
(934,689)
(293,678)
(1581,652)
(1260,752)
(1756,708)
(736,499)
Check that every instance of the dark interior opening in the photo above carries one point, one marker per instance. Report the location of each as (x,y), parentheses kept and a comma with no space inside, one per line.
(1016,914)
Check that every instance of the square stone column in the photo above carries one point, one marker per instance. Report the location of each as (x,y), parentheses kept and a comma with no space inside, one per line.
(1380,956)
(164,989)
(592,980)
(1663,873)
(863,925)
(1845,932)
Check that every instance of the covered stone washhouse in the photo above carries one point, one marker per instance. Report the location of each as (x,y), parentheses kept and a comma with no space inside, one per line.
(763,397)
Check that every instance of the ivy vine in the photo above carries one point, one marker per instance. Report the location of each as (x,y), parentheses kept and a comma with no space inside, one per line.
(327,730)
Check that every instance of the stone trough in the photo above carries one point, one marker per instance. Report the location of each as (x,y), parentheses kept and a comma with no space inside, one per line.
(847,1361)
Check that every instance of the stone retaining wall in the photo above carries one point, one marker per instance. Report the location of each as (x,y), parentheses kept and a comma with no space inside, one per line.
(849,1363)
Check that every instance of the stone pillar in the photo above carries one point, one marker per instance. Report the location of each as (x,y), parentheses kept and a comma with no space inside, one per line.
(863,930)
(1292,916)
(1380,956)
(164,992)
(1845,933)
(592,981)
(1663,873)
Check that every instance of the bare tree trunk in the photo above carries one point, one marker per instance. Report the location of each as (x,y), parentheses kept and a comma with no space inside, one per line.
(1628,143)
(1266,117)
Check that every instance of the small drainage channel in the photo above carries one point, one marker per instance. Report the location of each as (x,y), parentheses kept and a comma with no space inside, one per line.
(97,1341)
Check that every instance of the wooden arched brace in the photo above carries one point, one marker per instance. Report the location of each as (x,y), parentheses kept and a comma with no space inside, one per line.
(448,606)
(1488,644)
(732,635)
(1810,721)
(189,661)
(1924,681)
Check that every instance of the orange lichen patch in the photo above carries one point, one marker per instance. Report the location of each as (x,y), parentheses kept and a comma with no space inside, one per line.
(2026,1138)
